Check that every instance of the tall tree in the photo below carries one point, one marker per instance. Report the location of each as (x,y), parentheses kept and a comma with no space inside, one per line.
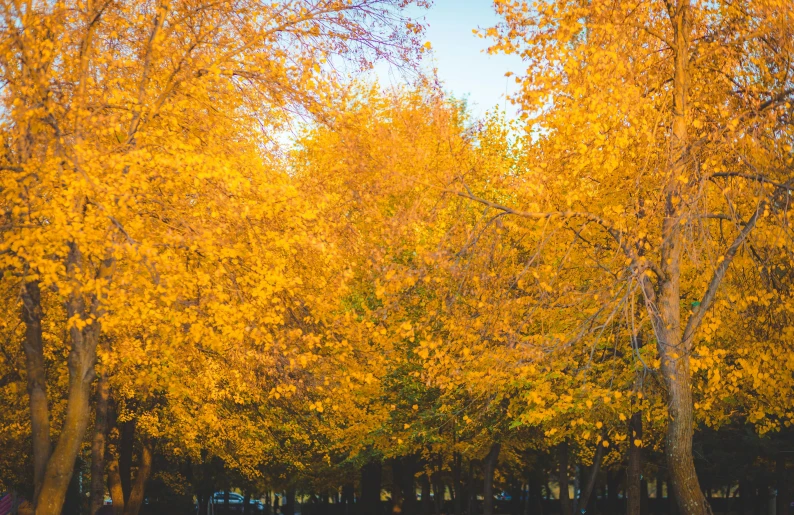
(106,106)
(651,124)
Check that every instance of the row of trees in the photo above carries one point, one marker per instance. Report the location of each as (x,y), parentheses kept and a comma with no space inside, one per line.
(470,301)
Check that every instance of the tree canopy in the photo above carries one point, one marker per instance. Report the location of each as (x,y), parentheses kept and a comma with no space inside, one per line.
(397,294)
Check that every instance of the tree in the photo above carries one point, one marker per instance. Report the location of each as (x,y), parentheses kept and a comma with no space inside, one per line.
(665,126)
(106,110)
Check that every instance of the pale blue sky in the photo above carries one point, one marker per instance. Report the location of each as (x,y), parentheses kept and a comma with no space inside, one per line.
(466,70)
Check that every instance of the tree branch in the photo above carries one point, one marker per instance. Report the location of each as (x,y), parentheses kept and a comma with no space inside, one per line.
(711,292)
(752,177)
(549,215)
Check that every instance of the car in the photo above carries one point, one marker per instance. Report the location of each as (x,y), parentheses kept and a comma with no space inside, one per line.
(236,502)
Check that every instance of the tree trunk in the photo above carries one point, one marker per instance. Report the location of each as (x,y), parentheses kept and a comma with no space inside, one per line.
(562,457)
(678,441)
(36,383)
(114,486)
(82,357)
(247,503)
(634,469)
(471,498)
(516,495)
(746,496)
(673,340)
(426,504)
(612,493)
(98,445)
(488,468)
(535,496)
(370,488)
(126,443)
(138,489)
(438,490)
(347,498)
(584,498)
(396,487)
(60,466)
(783,501)
(289,506)
(407,488)
(456,473)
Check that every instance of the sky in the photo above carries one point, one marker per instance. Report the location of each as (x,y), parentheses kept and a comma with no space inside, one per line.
(459,55)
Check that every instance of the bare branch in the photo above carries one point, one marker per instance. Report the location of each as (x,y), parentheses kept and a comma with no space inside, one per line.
(752,177)
(549,215)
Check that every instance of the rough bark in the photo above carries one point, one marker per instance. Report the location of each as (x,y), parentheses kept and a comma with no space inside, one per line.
(36,383)
(562,457)
(488,468)
(98,445)
(82,357)
(138,488)
(60,466)
(673,339)
(634,469)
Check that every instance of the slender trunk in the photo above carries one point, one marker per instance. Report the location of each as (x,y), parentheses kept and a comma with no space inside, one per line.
(470,488)
(577,476)
(114,473)
(98,445)
(438,490)
(114,485)
(516,494)
(456,472)
(407,487)
(84,335)
(426,505)
(396,486)
(60,466)
(745,497)
(535,500)
(783,501)
(246,503)
(138,488)
(643,495)
(126,443)
(289,506)
(612,493)
(672,503)
(589,485)
(370,488)
(562,457)
(634,470)
(489,466)
(347,498)
(673,349)
(37,383)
